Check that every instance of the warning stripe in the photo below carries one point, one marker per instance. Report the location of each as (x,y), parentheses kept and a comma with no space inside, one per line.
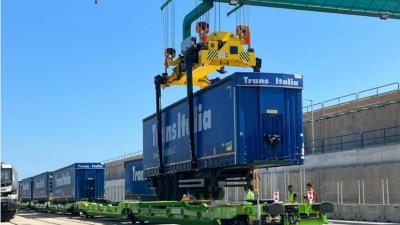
(244,56)
(212,55)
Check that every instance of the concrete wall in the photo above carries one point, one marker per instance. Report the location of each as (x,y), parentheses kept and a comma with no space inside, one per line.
(115,177)
(353,117)
(115,170)
(346,105)
(363,184)
(115,190)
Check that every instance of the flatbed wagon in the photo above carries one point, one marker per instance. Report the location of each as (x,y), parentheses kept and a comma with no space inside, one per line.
(199,213)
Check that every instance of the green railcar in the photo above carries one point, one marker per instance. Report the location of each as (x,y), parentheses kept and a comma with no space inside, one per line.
(105,209)
(199,213)
(226,214)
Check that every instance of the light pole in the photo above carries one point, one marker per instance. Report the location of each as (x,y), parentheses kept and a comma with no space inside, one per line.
(312,125)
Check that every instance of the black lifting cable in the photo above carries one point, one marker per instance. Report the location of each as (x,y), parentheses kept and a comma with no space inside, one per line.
(173,24)
(219,15)
(215,15)
(169,26)
(165,26)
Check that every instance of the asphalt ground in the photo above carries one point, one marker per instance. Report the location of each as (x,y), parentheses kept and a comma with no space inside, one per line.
(37,218)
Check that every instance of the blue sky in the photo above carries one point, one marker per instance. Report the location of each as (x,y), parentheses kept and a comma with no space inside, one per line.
(77,78)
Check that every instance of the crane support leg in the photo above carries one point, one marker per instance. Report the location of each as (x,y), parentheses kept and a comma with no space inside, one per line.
(190,59)
(158,80)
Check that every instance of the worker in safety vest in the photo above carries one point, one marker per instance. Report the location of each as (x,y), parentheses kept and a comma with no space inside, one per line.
(311,194)
(292,195)
(187,198)
(249,195)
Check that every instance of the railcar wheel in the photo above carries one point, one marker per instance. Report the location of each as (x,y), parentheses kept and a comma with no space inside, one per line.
(241,221)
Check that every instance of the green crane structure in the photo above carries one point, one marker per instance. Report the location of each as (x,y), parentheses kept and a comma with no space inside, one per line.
(383,9)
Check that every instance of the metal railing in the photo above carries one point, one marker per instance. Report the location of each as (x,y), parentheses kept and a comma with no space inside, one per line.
(356,96)
(371,138)
(123,157)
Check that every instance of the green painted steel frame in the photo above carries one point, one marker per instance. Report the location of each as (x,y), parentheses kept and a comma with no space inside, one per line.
(202,8)
(374,8)
(187,214)
(179,212)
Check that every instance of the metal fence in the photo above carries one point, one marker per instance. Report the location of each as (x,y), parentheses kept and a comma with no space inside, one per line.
(358,184)
(335,104)
(372,183)
(371,138)
(115,167)
(124,157)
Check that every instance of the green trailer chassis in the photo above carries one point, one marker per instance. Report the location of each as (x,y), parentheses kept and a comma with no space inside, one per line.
(71,208)
(198,213)
(226,214)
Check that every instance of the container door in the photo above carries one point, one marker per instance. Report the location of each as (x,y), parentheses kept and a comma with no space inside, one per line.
(272,135)
(90,188)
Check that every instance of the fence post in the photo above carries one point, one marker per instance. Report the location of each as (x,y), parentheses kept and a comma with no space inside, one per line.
(341,143)
(323,145)
(362,140)
(384,135)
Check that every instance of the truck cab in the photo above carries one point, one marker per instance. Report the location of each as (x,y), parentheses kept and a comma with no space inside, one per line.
(9,192)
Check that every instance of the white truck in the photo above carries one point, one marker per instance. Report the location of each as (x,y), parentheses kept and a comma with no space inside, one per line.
(9,192)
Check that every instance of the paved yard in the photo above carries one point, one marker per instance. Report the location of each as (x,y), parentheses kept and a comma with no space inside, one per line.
(35,218)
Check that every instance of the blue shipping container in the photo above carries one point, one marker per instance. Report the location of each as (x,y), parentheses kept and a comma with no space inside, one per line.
(26,189)
(136,187)
(79,181)
(244,119)
(42,187)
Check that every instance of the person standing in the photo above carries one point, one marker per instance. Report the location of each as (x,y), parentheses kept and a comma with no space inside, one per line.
(292,195)
(311,194)
(249,195)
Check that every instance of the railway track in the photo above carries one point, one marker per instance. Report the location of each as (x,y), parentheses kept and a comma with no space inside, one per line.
(36,218)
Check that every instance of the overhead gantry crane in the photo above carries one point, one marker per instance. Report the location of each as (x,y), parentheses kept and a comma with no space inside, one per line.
(219,49)
(383,9)
(212,53)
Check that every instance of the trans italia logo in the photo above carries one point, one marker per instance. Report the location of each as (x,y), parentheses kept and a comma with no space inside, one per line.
(248,80)
(90,166)
(266,81)
(64,179)
(137,175)
(40,183)
(286,82)
(25,187)
(179,129)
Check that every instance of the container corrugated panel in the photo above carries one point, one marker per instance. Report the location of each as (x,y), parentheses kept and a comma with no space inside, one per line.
(64,184)
(42,185)
(236,120)
(26,190)
(79,181)
(89,181)
(136,187)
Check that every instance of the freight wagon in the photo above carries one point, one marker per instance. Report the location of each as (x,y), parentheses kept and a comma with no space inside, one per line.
(78,181)
(136,186)
(242,122)
(42,187)
(26,190)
